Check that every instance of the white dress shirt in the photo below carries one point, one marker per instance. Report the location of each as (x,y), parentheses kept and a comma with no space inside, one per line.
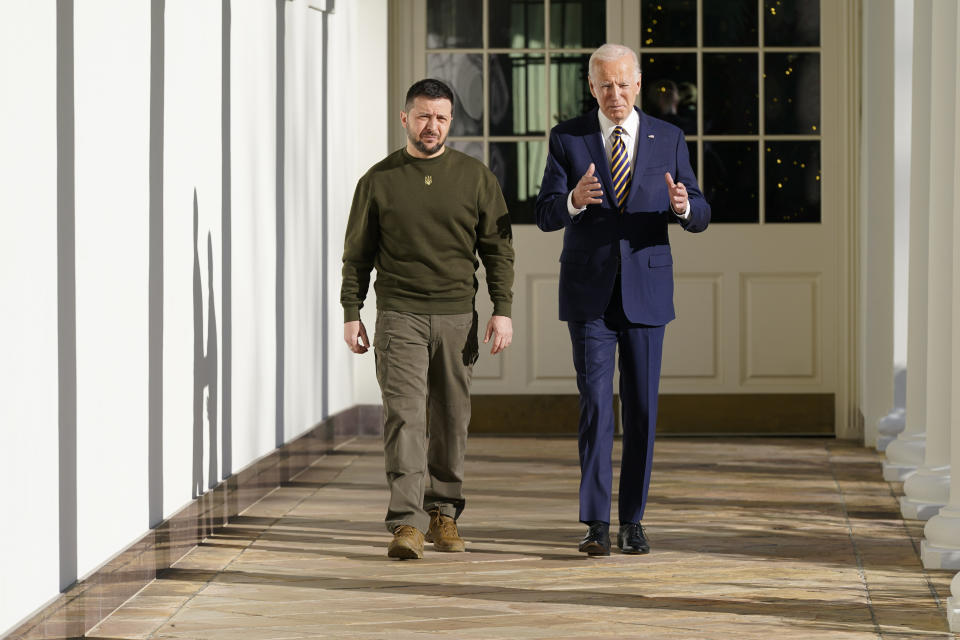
(629,136)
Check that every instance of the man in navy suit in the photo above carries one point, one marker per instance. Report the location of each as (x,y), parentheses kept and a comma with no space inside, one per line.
(614,178)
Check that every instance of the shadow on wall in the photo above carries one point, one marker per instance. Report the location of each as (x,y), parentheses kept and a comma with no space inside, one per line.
(204,364)
(281,8)
(66,297)
(155,299)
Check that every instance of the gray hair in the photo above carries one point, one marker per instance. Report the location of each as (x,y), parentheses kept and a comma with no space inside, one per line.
(610,52)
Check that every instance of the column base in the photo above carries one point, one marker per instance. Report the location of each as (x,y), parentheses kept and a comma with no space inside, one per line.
(939,557)
(904,456)
(890,426)
(926,492)
(897,472)
(913,510)
(940,548)
(883,442)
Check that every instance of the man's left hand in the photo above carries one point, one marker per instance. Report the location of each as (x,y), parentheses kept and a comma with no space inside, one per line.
(501,329)
(677,193)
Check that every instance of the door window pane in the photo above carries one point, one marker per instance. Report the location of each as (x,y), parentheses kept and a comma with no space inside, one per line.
(570,94)
(791,23)
(519,168)
(669,23)
(729,181)
(792,92)
(730,97)
(454,24)
(732,23)
(577,24)
(793,181)
(464,73)
(517,94)
(517,24)
(670,88)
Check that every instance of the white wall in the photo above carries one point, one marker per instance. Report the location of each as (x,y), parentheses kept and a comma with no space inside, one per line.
(253,101)
(28,291)
(114,239)
(112,103)
(358,139)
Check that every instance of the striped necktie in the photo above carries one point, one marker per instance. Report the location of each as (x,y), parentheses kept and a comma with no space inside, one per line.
(620,167)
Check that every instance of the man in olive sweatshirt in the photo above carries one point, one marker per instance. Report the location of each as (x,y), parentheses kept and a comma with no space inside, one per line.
(421,216)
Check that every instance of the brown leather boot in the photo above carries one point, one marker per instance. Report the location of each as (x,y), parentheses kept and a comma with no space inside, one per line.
(443,533)
(407,543)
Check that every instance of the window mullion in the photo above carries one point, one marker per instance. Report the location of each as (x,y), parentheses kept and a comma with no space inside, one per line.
(761,120)
(485,65)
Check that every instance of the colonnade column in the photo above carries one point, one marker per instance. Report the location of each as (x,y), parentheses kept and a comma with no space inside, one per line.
(940,548)
(905,453)
(927,489)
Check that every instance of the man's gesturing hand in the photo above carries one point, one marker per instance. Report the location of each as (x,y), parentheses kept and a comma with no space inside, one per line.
(588,190)
(677,193)
(501,328)
(355,335)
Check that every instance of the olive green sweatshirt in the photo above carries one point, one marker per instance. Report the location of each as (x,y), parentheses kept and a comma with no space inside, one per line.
(422,222)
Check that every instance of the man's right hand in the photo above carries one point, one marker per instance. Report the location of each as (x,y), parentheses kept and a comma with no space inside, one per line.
(588,190)
(355,335)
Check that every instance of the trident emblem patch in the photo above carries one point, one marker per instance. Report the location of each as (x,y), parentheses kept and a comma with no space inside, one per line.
(428,180)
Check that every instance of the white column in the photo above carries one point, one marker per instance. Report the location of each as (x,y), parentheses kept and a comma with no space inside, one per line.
(877,213)
(892,424)
(927,489)
(940,548)
(905,454)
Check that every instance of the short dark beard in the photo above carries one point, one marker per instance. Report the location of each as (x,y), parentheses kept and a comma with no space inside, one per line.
(422,148)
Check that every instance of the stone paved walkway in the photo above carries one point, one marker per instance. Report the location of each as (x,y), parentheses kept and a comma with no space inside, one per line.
(771,539)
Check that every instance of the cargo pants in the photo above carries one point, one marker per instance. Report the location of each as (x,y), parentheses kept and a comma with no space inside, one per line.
(424,367)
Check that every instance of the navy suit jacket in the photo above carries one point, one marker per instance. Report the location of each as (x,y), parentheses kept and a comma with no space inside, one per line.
(594,239)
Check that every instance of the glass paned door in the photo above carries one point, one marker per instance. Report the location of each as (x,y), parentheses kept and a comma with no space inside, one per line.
(742,79)
(516,67)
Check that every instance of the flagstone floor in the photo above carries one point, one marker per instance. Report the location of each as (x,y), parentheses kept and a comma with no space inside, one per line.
(751,538)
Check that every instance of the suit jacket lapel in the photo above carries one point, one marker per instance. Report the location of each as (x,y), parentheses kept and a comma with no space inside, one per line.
(594,141)
(641,158)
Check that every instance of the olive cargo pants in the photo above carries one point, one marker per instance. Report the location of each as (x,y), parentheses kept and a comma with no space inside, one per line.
(424,368)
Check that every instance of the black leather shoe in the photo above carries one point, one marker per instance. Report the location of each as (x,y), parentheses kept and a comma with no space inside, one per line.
(632,538)
(597,540)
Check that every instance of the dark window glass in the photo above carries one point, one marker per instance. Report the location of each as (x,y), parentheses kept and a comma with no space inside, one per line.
(670,88)
(519,168)
(792,92)
(454,24)
(729,181)
(793,181)
(577,24)
(464,73)
(730,97)
(517,94)
(470,147)
(791,23)
(517,24)
(692,151)
(669,23)
(570,92)
(732,23)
